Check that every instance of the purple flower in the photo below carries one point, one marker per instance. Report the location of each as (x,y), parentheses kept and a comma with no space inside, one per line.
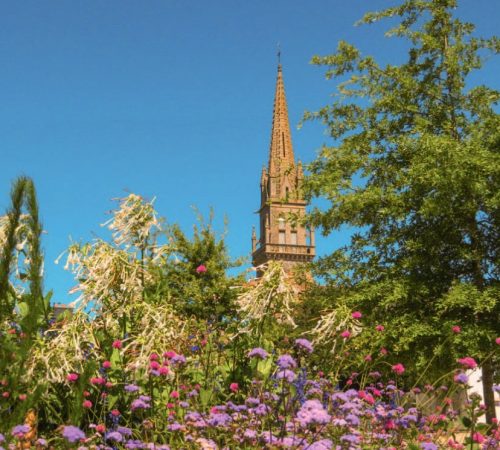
(304,344)
(178,359)
(312,412)
(286,362)
(219,420)
(285,374)
(131,388)
(41,442)
(139,404)
(461,378)
(428,446)
(133,444)
(250,434)
(72,433)
(258,352)
(114,436)
(20,430)
(324,444)
(351,438)
(124,431)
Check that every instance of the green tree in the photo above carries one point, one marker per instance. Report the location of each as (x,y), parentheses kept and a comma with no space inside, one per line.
(195,274)
(416,169)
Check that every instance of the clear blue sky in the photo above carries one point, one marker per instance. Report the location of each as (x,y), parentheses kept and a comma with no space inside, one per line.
(167,98)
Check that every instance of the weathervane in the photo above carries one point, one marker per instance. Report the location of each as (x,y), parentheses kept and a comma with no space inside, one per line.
(279,54)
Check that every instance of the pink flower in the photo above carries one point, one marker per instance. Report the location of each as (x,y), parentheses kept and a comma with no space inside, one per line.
(368,357)
(468,362)
(72,377)
(164,370)
(398,369)
(117,344)
(22,397)
(497,340)
(154,365)
(383,351)
(346,334)
(5,394)
(101,428)
(380,328)
(97,380)
(106,364)
(87,404)
(174,394)
(153,357)
(234,387)
(169,354)
(456,329)
(115,412)
(201,269)
(356,315)
(478,437)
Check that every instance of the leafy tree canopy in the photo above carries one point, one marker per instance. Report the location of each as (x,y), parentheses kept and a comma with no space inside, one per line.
(416,168)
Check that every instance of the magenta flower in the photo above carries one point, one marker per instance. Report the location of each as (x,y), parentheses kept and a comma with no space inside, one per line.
(174,394)
(154,365)
(106,364)
(380,328)
(117,344)
(456,329)
(201,269)
(468,362)
(497,340)
(346,334)
(87,404)
(234,387)
(478,437)
(356,315)
(72,377)
(398,369)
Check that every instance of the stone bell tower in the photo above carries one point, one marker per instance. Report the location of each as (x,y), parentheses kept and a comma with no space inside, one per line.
(281,238)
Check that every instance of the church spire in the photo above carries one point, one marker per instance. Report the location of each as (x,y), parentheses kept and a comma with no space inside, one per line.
(281,150)
(281,197)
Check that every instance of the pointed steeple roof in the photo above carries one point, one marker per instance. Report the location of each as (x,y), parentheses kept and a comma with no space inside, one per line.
(281,150)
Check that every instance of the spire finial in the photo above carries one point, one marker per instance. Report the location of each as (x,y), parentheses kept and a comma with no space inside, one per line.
(278,54)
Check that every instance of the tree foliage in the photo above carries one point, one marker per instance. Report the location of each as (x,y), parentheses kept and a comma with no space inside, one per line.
(416,169)
(195,275)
